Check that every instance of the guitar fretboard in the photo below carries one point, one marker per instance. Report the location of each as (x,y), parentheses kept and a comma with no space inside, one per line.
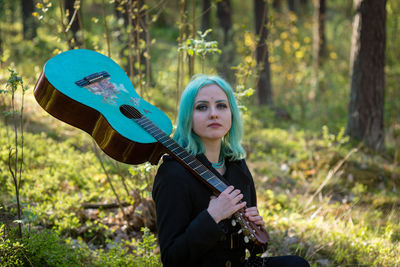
(182,155)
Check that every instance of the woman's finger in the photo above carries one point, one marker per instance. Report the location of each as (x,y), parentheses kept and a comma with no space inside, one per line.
(251,214)
(228,190)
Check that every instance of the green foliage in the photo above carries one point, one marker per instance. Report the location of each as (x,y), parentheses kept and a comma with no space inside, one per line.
(200,47)
(62,177)
(47,248)
(146,249)
(15,148)
(11,252)
(144,175)
(44,248)
(353,220)
(134,253)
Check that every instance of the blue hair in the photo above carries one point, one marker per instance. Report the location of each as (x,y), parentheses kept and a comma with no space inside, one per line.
(231,143)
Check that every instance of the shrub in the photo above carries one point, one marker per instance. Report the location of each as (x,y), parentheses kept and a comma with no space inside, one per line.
(44,248)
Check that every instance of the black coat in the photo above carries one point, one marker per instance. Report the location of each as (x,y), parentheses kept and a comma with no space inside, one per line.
(188,235)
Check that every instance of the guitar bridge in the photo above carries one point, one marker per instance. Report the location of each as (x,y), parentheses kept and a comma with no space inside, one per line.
(92,78)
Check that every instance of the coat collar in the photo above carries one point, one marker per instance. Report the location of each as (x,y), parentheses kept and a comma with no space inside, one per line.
(233,168)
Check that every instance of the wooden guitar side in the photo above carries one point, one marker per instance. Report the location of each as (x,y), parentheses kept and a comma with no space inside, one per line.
(94,123)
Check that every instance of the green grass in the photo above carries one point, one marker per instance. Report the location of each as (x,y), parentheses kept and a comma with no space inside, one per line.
(353,220)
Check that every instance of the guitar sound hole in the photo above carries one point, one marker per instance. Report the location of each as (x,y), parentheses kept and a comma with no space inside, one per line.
(130,112)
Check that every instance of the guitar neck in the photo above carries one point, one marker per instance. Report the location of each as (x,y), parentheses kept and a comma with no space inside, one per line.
(180,154)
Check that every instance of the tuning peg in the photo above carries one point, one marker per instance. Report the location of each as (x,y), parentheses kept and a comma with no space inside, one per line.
(246,239)
(240,231)
(233,222)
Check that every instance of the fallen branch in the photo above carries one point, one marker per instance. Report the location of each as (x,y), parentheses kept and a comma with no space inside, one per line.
(105,205)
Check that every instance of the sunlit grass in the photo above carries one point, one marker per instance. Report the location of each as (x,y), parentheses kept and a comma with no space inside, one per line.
(352,221)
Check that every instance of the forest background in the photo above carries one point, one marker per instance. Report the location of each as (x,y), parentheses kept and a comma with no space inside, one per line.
(304,72)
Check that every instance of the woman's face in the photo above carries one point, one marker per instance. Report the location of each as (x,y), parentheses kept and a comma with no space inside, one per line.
(212,117)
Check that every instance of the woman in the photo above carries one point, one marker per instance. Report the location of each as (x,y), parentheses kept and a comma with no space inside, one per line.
(195,228)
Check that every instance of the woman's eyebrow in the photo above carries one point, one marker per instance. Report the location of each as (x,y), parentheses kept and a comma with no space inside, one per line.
(205,101)
(200,101)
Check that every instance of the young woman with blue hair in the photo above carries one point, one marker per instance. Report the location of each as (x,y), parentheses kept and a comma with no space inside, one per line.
(195,227)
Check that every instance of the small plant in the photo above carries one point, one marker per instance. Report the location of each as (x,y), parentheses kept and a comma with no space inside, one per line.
(11,253)
(44,248)
(200,47)
(146,249)
(16,150)
(121,254)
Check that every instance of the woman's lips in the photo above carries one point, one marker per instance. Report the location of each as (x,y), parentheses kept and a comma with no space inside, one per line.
(214,125)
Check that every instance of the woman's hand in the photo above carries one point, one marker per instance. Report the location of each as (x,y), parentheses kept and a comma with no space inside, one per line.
(226,204)
(253,215)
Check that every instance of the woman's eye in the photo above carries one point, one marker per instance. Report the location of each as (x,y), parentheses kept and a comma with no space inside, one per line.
(222,106)
(201,107)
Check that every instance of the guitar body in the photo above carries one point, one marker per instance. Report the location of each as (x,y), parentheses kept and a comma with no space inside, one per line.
(85,89)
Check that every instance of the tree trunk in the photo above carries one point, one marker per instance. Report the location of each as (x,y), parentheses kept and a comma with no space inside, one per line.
(264,90)
(140,28)
(192,58)
(292,5)
(28,21)
(1,49)
(303,3)
(319,42)
(121,12)
(224,13)
(367,61)
(134,15)
(277,4)
(205,16)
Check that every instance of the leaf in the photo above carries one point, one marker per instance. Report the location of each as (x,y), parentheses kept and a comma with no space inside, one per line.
(30,216)
(143,187)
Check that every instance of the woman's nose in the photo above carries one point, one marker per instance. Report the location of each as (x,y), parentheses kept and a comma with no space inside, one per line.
(213,112)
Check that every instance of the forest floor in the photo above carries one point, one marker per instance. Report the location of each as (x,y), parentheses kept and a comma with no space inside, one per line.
(330,201)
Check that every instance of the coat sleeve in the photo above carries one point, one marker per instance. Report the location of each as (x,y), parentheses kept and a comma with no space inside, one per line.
(250,187)
(183,237)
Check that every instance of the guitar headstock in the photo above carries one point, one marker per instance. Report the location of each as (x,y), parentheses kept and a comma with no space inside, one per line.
(251,231)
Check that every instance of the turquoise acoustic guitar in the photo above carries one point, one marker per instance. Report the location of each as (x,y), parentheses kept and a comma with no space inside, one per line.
(90,91)
(86,89)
